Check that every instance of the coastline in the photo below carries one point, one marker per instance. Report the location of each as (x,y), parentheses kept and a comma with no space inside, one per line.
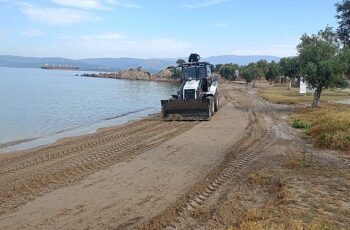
(136,74)
(65,105)
(32,143)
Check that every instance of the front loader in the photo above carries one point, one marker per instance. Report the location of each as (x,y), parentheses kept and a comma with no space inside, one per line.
(197,98)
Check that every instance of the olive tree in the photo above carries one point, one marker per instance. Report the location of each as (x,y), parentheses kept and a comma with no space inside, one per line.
(250,73)
(290,68)
(272,71)
(345,56)
(180,61)
(228,71)
(343,16)
(262,66)
(321,62)
(246,74)
(217,68)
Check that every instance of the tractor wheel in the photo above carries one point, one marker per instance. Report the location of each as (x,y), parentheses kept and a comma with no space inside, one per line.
(216,102)
(162,113)
(211,106)
(209,112)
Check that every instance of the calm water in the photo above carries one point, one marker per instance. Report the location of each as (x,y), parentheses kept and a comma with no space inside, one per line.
(40,106)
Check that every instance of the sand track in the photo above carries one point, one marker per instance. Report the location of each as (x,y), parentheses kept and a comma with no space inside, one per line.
(259,135)
(47,154)
(151,174)
(241,195)
(36,175)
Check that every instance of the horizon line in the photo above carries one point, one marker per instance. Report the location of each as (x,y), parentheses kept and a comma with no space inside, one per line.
(221,55)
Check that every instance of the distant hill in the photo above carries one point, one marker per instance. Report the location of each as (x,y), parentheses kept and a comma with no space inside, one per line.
(109,64)
(33,62)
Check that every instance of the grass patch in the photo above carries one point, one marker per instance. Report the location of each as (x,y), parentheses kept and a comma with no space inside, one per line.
(299,124)
(260,177)
(329,126)
(277,214)
(299,162)
(298,202)
(281,95)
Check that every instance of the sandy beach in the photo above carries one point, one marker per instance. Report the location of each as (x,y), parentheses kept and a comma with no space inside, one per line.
(148,174)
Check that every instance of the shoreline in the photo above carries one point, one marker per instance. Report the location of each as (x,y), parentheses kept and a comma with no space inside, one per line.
(54,168)
(48,140)
(136,74)
(52,139)
(33,142)
(66,105)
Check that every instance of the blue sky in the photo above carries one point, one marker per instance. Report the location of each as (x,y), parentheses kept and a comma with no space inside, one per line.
(156,29)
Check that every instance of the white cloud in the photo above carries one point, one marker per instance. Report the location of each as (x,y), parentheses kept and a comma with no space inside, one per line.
(221,25)
(55,16)
(32,32)
(111,36)
(106,36)
(204,4)
(83,4)
(96,4)
(126,4)
(131,5)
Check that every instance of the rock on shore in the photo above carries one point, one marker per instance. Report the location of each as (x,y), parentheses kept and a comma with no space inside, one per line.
(137,74)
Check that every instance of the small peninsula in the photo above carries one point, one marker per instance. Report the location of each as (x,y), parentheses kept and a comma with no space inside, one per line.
(137,74)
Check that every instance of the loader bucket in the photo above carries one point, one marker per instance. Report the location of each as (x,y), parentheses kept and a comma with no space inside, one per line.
(186,110)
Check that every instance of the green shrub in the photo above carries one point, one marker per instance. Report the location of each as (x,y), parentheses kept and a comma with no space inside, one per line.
(299,124)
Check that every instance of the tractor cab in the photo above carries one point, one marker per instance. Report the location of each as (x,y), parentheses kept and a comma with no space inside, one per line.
(200,72)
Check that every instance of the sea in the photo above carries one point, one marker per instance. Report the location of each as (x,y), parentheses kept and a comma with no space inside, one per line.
(38,107)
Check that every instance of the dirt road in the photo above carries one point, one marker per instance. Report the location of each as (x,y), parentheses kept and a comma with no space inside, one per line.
(271,179)
(152,174)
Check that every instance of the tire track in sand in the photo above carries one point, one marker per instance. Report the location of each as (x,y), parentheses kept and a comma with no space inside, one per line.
(261,134)
(64,171)
(47,155)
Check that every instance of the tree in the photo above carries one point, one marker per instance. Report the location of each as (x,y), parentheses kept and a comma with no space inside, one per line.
(345,56)
(228,71)
(180,61)
(217,68)
(263,65)
(176,71)
(247,75)
(343,16)
(256,72)
(250,73)
(290,67)
(321,62)
(272,71)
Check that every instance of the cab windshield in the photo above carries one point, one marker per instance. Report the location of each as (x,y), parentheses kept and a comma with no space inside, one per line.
(194,72)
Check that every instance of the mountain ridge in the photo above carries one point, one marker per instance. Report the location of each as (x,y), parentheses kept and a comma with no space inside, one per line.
(122,63)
